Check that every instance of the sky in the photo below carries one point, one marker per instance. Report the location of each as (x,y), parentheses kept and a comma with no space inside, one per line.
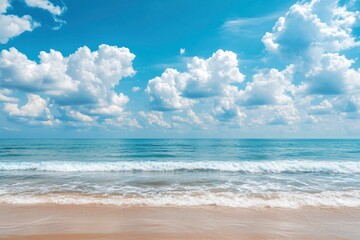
(179,69)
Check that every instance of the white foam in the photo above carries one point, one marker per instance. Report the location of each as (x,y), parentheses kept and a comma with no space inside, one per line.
(328,199)
(279,166)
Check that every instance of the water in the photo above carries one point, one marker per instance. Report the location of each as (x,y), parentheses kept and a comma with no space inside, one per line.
(153,172)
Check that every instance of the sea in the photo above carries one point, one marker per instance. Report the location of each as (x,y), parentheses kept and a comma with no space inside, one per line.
(235,173)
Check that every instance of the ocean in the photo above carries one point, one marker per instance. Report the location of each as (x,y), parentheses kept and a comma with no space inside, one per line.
(236,173)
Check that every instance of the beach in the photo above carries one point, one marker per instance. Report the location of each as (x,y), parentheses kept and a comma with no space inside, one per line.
(179,189)
(112,222)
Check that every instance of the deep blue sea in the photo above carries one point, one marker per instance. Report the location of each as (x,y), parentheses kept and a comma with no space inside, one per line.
(186,172)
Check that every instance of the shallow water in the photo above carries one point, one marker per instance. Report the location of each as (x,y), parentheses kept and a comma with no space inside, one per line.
(154,172)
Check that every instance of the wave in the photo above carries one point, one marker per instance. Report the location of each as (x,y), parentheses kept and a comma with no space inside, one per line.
(280,166)
(328,199)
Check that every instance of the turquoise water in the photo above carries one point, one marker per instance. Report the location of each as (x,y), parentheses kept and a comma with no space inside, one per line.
(232,173)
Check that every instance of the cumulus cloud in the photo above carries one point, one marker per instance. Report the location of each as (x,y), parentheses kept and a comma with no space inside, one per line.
(269,87)
(35,107)
(78,116)
(226,108)
(333,75)
(166,91)
(84,80)
(312,36)
(324,107)
(205,78)
(154,118)
(209,77)
(316,83)
(284,115)
(12,25)
(191,118)
(35,111)
(312,27)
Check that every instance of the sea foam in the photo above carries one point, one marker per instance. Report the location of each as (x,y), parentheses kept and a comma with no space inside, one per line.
(278,166)
(326,199)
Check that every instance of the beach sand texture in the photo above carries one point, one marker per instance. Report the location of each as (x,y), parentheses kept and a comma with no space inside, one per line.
(110,222)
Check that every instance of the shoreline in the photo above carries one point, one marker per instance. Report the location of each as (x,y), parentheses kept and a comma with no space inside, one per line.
(50,221)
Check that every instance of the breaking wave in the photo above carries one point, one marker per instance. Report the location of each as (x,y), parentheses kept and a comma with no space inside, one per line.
(279,166)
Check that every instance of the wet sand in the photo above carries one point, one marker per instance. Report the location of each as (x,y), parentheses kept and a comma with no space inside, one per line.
(110,222)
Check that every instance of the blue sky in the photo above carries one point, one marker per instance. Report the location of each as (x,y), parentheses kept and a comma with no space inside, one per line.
(239,69)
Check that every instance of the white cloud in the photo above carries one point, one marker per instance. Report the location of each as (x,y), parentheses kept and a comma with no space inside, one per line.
(135,89)
(84,78)
(165,91)
(311,28)
(325,107)
(191,118)
(205,78)
(17,71)
(112,108)
(4,96)
(83,82)
(250,27)
(182,51)
(12,25)
(332,75)
(4,4)
(124,120)
(34,112)
(284,114)
(46,5)
(269,87)
(226,108)
(79,116)
(209,77)
(35,107)
(154,118)
(11,129)
(312,36)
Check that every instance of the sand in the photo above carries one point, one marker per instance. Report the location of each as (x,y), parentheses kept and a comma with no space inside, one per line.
(111,222)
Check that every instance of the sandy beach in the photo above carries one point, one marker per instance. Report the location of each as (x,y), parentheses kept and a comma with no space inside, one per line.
(110,222)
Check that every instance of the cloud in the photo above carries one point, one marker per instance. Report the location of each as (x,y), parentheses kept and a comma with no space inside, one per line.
(269,87)
(35,107)
(84,77)
(191,119)
(284,115)
(154,118)
(165,91)
(84,80)
(12,25)
(34,112)
(312,37)
(205,78)
(135,89)
(325,107)
(312,28)
(209,77)
(4,96)
(78,116)
(46,5)
(10,129)
(226,108)
(182,51)
(333,75)
(250,27)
